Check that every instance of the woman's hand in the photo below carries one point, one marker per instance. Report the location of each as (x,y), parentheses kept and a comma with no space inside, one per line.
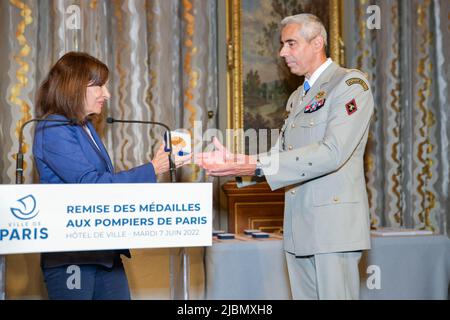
(160,161)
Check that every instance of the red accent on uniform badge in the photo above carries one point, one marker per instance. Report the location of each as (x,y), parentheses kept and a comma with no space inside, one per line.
(313,107)
(320,103)
(351,107)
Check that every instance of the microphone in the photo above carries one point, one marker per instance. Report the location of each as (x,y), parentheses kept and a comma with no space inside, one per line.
(19,156)
(172,168)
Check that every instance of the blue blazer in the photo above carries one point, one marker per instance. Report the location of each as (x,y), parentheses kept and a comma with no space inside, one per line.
(65,153)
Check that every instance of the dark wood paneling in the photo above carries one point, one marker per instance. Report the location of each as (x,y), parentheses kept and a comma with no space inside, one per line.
(254,207)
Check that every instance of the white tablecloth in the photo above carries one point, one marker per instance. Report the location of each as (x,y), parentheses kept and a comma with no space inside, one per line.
(414,267)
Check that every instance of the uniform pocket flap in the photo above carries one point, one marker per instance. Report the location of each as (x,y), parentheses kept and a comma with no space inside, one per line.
(312,120)
(326,198)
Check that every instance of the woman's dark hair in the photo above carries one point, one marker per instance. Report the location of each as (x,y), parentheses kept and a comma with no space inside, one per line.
(64,90)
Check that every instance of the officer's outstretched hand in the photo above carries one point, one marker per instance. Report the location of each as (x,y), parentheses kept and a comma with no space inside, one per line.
(221,162)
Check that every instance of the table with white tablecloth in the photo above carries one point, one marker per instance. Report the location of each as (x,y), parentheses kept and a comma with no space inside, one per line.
(402,267)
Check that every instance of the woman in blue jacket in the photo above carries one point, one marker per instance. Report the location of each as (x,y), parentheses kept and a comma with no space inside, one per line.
(75,89)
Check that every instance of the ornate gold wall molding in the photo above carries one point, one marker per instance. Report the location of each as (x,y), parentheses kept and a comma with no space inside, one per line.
(235,95)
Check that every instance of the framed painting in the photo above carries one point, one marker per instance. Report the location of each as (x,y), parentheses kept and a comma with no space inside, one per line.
(258,81)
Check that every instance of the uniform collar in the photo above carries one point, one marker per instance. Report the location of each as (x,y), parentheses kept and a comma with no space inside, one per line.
(325,76)
(318,72)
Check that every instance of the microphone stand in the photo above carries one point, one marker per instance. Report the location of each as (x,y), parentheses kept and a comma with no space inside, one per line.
(172,168)
(19,180)
(19,156)
(183,251)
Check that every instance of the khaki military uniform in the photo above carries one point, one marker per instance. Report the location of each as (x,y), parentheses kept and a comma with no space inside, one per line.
(319,162)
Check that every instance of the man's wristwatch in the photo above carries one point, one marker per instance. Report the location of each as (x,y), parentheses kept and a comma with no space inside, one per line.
(258,171)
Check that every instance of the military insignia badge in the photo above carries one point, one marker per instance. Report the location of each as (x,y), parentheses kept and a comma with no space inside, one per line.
(313,107)
(351,107)
(320,95)
(359,81)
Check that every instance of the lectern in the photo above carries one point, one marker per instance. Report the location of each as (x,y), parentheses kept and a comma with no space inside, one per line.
(82,217)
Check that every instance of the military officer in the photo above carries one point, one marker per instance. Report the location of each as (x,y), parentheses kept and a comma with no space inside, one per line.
(319,162)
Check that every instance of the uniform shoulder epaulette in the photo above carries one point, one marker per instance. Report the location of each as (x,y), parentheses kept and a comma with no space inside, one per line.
(293,96)
(358,71)
(289,105)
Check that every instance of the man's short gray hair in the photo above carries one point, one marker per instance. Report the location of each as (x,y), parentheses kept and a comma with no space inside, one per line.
(311,26)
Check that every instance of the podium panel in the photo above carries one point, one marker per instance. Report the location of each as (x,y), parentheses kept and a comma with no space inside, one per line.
(83,217)
(2,278)
(80,217)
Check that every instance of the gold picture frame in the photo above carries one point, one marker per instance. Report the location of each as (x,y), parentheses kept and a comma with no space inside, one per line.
(235,84)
